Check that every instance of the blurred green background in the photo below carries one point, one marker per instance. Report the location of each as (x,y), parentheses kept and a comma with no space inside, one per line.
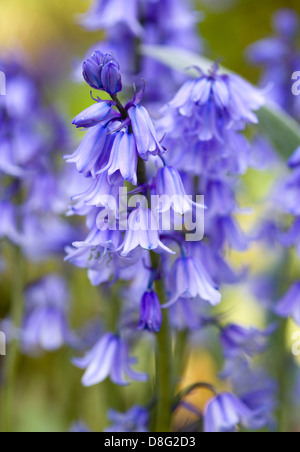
(49,394)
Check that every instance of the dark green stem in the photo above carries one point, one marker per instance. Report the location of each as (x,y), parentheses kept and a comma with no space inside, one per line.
(13,350)
(120,107)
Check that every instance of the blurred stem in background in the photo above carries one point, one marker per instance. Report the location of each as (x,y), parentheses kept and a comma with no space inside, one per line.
(17,306)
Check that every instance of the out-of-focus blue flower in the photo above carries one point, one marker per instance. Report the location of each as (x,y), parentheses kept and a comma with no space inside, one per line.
(133,421)
(189,279)
(79,427)
(237,340)
(289,305)
(294,160)
(257,390)
(287,193)
(151,315)
(45,325)
(110,13)
(279,55)
(8,222)
(224,413)
(109,357)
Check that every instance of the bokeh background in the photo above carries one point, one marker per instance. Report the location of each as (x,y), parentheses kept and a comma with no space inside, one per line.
(49,396)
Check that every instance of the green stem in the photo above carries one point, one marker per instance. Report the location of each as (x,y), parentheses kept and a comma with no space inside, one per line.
(13,351)
(181,353)
(164,383)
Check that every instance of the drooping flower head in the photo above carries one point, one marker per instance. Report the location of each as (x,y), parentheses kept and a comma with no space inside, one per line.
(109,357)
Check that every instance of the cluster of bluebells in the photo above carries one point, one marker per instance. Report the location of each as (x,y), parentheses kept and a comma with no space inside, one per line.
(197,146)
(203,125)
(279,55)
(31,199)
(144,22)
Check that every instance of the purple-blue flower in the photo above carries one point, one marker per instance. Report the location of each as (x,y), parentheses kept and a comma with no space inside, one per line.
(108,358)
(45,325)
(225,413)
(189,279)
(94,115)
(237,340)
(218,103)
(144,132)
(102,72)
(151,315)
(143,231)
(133,421)
(289,305)
(169,187)
(123,157)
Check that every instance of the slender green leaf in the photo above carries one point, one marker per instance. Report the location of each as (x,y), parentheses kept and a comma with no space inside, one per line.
(281,129)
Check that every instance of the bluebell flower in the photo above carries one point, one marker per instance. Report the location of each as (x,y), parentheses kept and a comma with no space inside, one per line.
(123,157)
(294,160)
(91,70)
(94,115)
(169,186)
(45,326)
(258,391)
(106,14)
(225,413)
(226,230)
(8,223)
(93,152)
(218,103)
(292,236)
(237,340)
(101,190)
(279,56)
(289,305)
(102,72)
(143,231)
(108,358)
(111,76)
(189,279)
(185,314)
(151,315)
(135,420)
(144,132)
(287,193)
